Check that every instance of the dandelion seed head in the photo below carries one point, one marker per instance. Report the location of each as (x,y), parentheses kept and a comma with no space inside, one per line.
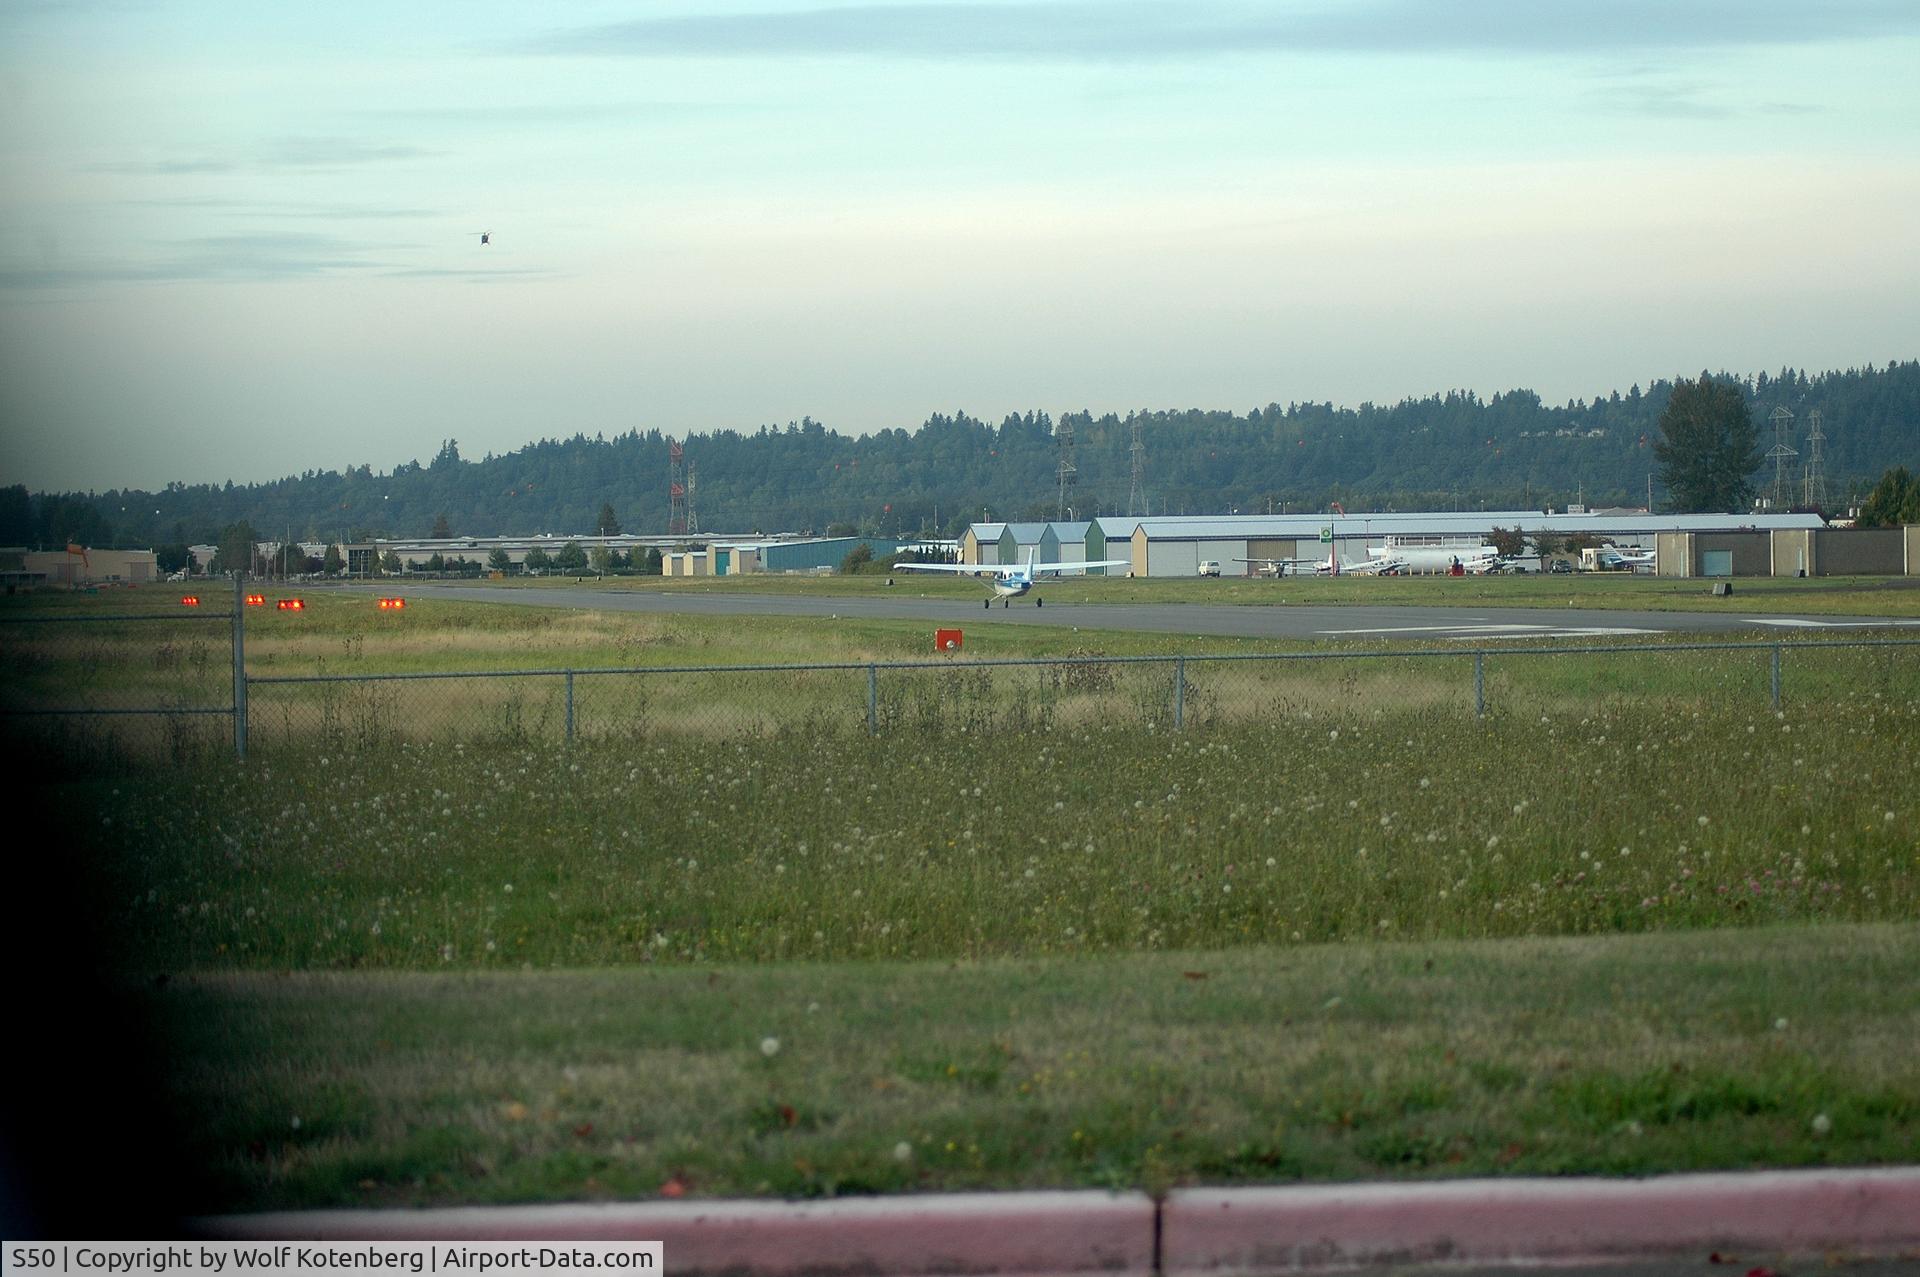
(769,1047)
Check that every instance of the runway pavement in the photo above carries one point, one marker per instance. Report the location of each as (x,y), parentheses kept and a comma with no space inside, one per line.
(1280,621)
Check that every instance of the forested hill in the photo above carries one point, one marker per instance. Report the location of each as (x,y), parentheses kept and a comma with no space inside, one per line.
(1441,451)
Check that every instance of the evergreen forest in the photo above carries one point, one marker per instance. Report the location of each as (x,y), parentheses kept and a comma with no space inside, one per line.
(1444,451)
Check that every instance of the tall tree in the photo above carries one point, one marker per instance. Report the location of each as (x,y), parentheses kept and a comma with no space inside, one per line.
(441,530)
(1510,542)
(236,548)
(1894,500)
(1708,447)
(607,525)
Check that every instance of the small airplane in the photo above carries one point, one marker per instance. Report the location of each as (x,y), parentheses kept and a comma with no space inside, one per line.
(1322,567)
(1609,559)
(1441,558)
(1009,581)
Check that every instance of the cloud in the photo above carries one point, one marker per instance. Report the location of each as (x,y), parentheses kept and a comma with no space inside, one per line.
(1154,30)
(213,257)
(289,154)
(1660,101)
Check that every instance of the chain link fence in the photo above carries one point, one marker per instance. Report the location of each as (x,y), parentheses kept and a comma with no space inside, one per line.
(171,686)
(973,699)
(148,684)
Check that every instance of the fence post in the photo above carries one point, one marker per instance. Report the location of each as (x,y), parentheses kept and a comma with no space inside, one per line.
(1479,684)
(1776,676)
(569,707)
(240,665)
(1179,692)
(873,700)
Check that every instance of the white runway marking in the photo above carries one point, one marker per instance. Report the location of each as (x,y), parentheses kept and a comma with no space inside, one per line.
(1799,623)
(1467,633)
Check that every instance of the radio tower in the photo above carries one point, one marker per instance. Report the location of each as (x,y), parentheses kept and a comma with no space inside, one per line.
(1064,433)
(676,490)
(1135,497)
(1780,454)
(693,512)
(1816,494)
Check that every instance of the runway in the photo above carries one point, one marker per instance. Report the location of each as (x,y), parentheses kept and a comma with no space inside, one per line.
(1471,625)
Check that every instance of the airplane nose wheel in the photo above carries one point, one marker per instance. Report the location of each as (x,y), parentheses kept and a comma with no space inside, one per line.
(1039,602)
(986,603)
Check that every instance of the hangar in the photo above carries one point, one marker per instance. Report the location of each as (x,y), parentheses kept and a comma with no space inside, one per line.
(1688,544)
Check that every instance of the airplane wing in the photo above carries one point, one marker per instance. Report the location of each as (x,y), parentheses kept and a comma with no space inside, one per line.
(1081,567)
(968,569)
(1373,567)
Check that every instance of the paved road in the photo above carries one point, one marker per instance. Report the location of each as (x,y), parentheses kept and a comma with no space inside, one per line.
(1277,622)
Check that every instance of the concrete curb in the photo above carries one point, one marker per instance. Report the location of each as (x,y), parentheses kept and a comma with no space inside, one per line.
(1257,1230)
(1015,1233)
(1196,1231)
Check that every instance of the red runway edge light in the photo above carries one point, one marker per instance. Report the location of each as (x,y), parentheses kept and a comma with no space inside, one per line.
(392,605)
(190,600)
(256,600)
(292,605)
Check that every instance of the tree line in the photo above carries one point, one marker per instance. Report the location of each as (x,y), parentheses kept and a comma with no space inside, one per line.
(1443,451)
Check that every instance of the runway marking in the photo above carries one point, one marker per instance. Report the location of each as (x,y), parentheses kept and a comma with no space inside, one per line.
(1467,633)
(1798,623)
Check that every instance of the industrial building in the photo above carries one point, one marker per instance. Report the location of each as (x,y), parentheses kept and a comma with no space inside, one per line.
(78,565)
(1686,544)
(739,558)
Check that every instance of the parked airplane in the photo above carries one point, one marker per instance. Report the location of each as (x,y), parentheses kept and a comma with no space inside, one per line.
(1009,581)
(1321,567)
(1608,559)
(1440,558)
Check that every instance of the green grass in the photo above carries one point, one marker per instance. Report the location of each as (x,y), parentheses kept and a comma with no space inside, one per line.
(179,663)
(1821,596)
(1337,927)
(1617,1055)
(834,846)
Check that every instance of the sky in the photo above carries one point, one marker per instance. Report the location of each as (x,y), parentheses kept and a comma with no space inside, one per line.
(240,241)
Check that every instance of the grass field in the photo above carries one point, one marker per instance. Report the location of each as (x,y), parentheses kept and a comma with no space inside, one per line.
(179,662)
(1632,920)
(1820,596)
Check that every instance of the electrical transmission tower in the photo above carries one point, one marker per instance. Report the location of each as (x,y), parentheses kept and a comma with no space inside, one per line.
(1068,471)
(1136,497)
(1782,454)
(1816,484)
(676,490)
(693,512)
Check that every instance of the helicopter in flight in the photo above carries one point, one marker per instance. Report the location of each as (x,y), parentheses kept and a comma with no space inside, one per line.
(486,237)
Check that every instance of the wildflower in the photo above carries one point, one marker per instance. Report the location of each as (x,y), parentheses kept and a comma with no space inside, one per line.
(1822,1124)
(903,1152)
(769,1047)
(1703,822)
(1780,1025)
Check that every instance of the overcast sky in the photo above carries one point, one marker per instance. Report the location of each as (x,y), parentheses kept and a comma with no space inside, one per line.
(241,240)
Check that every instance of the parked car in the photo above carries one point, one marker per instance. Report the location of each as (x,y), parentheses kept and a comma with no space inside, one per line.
(1561,566)
(1209,568)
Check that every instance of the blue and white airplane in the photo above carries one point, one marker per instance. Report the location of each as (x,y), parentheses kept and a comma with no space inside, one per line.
(1009,581)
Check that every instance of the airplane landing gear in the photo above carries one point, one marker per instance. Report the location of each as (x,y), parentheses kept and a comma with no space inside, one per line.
(986,603)
(1039,602)
(1006,602)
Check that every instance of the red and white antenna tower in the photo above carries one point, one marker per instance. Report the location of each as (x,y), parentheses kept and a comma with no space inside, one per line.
(676,490)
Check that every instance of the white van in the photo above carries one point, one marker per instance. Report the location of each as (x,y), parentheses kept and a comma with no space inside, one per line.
(1209,568)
